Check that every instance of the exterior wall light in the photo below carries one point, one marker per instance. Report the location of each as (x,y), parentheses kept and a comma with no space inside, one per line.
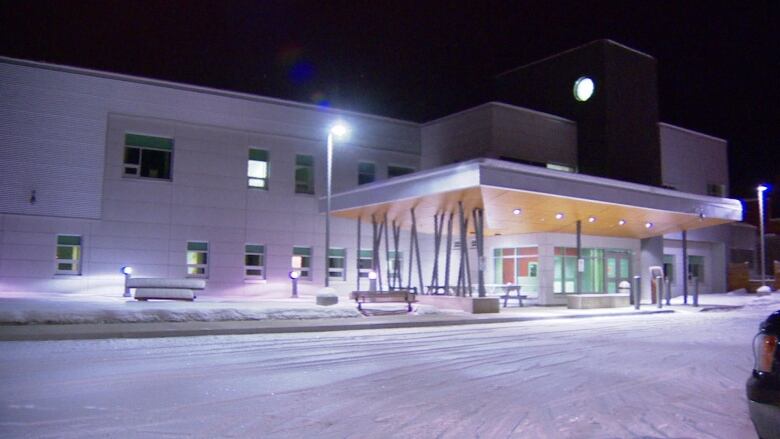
(517,211)
(558,216)
(583,88)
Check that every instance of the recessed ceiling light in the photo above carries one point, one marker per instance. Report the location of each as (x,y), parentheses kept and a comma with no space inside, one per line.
(558,216)
(621,222)
(517,211)
(591,219)
(648,225)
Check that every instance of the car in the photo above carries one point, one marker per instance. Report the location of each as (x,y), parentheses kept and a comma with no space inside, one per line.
(763,386)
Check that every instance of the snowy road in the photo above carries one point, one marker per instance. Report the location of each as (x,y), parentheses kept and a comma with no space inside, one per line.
(654,376)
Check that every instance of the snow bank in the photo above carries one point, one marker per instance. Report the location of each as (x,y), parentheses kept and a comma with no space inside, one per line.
(29,309)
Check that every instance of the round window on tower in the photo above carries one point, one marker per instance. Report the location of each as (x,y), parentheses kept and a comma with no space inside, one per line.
(583,88)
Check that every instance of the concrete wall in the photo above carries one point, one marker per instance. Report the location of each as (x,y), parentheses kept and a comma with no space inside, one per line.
(681,149)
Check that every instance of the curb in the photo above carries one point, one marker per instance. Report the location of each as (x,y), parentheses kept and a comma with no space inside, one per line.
(100,331)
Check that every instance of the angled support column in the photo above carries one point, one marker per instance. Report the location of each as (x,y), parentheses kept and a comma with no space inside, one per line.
(417,253)
(438,225)
(396,257)
(478,215)
(390,284)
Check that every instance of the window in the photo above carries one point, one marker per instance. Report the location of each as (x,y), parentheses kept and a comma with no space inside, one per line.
(254,261)
(557,167)
(365,262)
(257,169)
(716,190)
(696,267)
(366,172)
(337,263)
(302,258)
(669,267)
(147,156)
(197,259)
(68,254)
(518,266)
(397,171)
(565,270)
(304,174)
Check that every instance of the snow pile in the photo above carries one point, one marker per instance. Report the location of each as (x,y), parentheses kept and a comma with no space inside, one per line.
(33,309)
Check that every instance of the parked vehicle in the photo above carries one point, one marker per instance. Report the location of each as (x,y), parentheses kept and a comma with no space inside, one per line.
(763,387)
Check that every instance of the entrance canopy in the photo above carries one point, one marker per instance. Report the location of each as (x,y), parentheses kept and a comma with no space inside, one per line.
(520,198)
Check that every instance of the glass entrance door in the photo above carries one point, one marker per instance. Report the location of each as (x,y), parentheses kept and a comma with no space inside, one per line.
(617,269)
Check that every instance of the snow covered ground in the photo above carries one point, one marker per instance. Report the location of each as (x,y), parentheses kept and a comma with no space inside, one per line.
(31,308)
(26,308)
(675,375)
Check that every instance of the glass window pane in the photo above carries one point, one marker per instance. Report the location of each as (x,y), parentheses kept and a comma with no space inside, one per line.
(254,272)
(156,164)
(252,260)
(64,252)
(257,169)
(65,267)
(132,156)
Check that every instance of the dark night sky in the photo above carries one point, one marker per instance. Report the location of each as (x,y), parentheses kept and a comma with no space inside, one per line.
(718,62)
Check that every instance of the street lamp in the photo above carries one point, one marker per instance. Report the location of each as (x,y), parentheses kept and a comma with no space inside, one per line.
(761,189)
(338,129)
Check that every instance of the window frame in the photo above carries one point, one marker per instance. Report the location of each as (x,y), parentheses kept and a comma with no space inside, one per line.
(365,254)
(301,166)
(409,168)
(258,155)
(305,252)
(360,181)
(343,257)
(255,250)
(133,141)
(75,262)
(204,265)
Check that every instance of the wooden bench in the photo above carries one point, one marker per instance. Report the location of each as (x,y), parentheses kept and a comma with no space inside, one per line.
(361,297)
(163,288)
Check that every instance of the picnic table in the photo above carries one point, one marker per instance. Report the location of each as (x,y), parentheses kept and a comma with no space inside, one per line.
(505,292)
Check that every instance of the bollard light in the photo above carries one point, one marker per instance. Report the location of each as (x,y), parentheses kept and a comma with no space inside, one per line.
(127,271)
(294,275)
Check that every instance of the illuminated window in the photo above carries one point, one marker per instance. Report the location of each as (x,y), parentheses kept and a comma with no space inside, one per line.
(257,169)
(669,267)
(147,156)
(302,255)
(304,174)
(366,172)
(696,267)
(197,259)
(68,254)
(517,266)
(557,167)
(254,261)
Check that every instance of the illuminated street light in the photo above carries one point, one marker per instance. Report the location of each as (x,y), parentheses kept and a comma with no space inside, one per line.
(340,130)
(761,189)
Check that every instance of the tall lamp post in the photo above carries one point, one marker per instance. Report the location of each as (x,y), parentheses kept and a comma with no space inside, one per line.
(761,189)
(337,130)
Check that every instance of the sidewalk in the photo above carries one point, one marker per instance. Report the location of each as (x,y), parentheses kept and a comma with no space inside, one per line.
(302,316)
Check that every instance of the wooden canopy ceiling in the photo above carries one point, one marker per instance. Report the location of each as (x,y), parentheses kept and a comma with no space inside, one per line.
(537,213)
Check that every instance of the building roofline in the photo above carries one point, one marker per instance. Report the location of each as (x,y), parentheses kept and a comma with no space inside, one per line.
(496,104)
(193,88)
(689,131)
(567,51)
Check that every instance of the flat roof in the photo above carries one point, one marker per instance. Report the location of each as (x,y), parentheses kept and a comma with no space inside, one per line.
(500,187)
